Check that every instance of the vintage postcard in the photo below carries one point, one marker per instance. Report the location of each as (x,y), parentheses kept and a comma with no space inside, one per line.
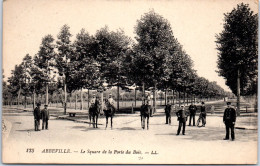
(130,82)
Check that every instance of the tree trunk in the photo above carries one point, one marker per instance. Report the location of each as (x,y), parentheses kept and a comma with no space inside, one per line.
(118,98)
(81,99)
(143,93)
(102,96)
(238,92)
(172,96)
(76,102)
(154,99)
(25,102)
(184,94)
(70,98)
(65,98)
(179,98)
(135,96)
(18,97)
(88,98)
(51,100)
(165,98)
(47,91)
(161,98)
(187,99)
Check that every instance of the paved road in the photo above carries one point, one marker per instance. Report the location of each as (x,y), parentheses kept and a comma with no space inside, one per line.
(199,145)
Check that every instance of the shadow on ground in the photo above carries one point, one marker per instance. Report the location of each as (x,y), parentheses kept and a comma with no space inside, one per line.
(126,128)
(28,130)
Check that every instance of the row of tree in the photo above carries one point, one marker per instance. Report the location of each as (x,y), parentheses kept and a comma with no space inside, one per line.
(155,61)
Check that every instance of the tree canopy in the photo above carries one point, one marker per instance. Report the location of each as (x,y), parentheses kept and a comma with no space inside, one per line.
(237,45)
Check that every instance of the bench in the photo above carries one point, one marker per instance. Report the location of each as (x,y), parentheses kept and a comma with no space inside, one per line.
(72,114)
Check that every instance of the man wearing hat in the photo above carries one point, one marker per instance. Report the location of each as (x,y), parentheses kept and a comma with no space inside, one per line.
(203,113)
(182,117)
(37,117)
(111,101)
(192,109)
(93,100)
(168,109)
(148,102)
(229,120)
(45,117)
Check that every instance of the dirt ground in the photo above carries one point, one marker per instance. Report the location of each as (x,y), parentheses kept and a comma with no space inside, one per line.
(127,142)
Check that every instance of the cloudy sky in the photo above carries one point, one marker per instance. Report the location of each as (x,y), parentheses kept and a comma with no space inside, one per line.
(194,23)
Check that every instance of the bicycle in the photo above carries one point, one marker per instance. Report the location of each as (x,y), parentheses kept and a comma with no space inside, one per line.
(200,120)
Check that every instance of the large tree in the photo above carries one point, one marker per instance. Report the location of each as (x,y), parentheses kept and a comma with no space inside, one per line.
(63,58)
(45,61)
(38,77)
(154,40)
(20,79)
(26,77)
(237,45)
(86,71)
(110,52)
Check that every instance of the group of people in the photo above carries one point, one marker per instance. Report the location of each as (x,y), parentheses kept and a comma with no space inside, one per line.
(41,115)
(229,117)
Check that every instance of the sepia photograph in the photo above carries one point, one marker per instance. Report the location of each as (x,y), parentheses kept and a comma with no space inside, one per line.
(130,82)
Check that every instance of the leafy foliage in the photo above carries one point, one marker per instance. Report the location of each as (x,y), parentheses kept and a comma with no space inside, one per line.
(155,38)
(237,45)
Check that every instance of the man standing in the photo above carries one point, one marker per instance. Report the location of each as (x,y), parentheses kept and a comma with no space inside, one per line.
(182,117)
(229,119)
(192,109)
(37,117)
(168,109)
(45,117)
(203,113)
(148,100)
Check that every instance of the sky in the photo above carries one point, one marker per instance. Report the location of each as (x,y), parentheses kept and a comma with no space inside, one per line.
(194,23)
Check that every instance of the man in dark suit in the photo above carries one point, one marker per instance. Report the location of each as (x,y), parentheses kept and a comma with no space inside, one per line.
(37,117)
(192,109)
(229,119)
(45,117)
(182,117)
(168,109)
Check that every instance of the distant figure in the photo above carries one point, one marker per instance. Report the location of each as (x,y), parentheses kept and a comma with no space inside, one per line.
(182,117)
(148,102)
(229,119)
(168,109)
(203,113)
(192,109)
(37,117)
(212,109)
(45,117)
